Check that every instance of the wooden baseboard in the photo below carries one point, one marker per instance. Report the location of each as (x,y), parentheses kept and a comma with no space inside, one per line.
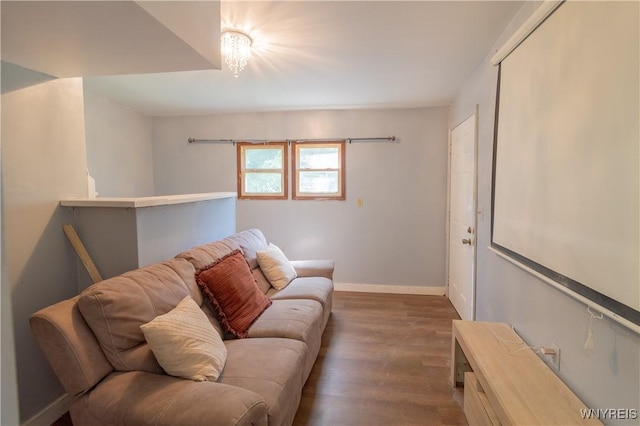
(391,289)
(51,413)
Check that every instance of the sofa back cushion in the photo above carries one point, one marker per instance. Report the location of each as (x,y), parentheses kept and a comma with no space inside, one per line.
(205,254)
(116,308)
(249,242)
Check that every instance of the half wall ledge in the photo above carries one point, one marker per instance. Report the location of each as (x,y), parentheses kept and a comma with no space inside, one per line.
(135,202)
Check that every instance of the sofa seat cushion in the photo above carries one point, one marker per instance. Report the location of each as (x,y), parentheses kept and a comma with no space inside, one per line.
(273,369)
(298,319)
(313,288)
(291,319)
(139,398)
(115,309)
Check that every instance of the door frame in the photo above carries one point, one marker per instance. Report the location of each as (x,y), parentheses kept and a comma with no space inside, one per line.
(475,208)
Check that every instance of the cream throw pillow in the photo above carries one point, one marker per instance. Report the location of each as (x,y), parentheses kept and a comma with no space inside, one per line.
(185,343)
(276,267)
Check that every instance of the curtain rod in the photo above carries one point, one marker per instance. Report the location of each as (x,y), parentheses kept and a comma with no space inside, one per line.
(264,141)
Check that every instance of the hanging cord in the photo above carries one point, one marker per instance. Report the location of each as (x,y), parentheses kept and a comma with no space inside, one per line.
(504,342)
(589,344)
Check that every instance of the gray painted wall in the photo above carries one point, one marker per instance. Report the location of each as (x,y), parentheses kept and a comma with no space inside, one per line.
(121,239)
(9,414)
(399,232)
(397,236)
(607,378)
(110,237)
(43,160)
(118,148)
(165,231)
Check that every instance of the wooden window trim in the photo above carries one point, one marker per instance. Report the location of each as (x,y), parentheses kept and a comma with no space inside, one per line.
(341,171)
(241,171)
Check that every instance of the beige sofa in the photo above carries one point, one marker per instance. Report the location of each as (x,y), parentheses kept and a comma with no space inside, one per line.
(94,345)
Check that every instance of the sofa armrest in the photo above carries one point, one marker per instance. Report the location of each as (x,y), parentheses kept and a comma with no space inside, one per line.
(141,398)
(70,346)
(314,268)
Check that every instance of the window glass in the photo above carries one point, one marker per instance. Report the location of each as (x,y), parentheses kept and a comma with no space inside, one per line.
(319,182)
(318,171)
(319,158)
(262,170)
(263,158)
(263,183)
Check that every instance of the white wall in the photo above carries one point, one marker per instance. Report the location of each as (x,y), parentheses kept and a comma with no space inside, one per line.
(607,378)
(43,160)
(396,238)
(119,153)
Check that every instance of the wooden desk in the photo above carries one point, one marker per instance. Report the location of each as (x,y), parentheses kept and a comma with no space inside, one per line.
(506,382)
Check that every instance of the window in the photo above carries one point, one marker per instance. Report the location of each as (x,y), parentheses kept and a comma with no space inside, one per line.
(262,171)
(318,171)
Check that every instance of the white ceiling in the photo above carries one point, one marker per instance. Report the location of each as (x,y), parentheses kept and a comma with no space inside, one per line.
(325,55)
(84,38)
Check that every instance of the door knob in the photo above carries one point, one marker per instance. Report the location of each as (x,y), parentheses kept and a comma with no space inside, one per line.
(466,241)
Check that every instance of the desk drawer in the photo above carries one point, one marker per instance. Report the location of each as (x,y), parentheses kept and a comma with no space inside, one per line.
(476,404)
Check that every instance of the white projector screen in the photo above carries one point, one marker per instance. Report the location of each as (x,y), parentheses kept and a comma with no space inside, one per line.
(567,160)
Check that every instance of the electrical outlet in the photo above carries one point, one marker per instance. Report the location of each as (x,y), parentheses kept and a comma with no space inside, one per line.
(554,359)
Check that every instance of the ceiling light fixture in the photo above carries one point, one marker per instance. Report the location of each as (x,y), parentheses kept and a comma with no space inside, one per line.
(236,49)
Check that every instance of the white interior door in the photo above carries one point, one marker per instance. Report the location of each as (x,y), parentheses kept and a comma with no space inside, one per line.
(462,218)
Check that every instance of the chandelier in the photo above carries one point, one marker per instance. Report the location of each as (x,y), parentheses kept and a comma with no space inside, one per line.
(236,49)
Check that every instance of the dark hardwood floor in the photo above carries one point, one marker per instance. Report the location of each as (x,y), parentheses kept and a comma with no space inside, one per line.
(384,360)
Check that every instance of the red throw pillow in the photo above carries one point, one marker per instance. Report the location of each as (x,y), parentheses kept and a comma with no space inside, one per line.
(233,291)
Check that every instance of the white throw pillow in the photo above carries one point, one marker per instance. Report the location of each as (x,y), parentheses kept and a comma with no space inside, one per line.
(185,343)
(276,267)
